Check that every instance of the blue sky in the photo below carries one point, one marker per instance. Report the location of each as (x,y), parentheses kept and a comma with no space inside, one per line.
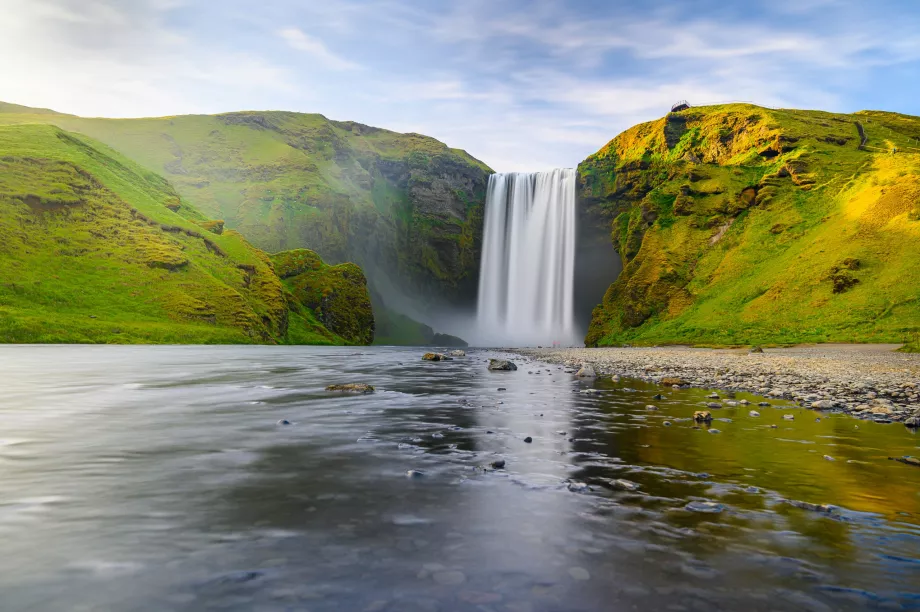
(522,85)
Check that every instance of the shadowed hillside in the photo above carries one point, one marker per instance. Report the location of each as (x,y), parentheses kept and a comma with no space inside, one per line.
(738,225)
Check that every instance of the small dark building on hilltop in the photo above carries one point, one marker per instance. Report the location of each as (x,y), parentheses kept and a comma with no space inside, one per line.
(682,105)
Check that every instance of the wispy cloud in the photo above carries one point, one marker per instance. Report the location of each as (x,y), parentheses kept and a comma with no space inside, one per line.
(314,47)
(518,83)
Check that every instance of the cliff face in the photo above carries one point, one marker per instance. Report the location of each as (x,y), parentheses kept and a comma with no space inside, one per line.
(405,207)
(738,224)
(94,248)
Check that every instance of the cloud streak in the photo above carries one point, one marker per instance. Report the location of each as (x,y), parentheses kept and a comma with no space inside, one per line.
(521,84)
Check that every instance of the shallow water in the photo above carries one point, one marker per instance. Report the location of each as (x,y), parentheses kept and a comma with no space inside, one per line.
(157,478)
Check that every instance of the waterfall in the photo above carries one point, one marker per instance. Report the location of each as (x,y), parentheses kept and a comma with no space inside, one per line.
(526,276)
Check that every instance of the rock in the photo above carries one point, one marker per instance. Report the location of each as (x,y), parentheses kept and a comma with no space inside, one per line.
(880,410)
(502,389)
(756,349)
(731,403)
(702,416)
(789,417)
(625,485)
(713,396)
(667,423)
(753,413)
(913,422)
(351,388)
(672,381)
(705,506)
(744,402)
(822,405)
(907,460)
(415,474)
(713,405)
(586,371)
(498,464)
(615,378)
(715,431)
(826,508)
(284,422)
(458,353)
(829,458)
(650,407)
(435,357)
(579,573)
(658,396)
(501,365)
(528,440)
(577,487)
(764,404)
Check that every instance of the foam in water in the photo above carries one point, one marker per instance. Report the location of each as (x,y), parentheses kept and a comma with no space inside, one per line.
(526,279)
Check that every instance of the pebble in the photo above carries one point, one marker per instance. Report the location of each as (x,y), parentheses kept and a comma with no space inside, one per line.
(705,506)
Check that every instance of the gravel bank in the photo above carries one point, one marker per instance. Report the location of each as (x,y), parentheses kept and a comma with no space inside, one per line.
(867,381)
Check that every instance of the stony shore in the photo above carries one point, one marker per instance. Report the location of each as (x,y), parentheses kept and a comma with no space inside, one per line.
(866,381)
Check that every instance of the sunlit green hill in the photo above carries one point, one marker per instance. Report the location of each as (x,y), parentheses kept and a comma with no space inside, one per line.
(740,225)
(405,207)
(96,248)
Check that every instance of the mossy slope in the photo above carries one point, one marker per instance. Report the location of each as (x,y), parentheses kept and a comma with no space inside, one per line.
(94,248)
(405,207)
(738,225)
(337,295)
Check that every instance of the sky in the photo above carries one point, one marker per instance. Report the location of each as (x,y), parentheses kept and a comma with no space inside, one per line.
(523,85)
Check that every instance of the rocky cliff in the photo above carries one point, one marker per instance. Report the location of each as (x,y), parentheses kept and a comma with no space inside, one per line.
(738,224)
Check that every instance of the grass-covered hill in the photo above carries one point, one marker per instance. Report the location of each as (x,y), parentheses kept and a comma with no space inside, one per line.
(95,248)
(405,207)
(740,225)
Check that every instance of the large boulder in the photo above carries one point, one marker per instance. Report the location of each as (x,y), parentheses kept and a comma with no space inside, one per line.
(501,365)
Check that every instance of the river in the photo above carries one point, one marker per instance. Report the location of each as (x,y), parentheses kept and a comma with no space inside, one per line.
(159,478)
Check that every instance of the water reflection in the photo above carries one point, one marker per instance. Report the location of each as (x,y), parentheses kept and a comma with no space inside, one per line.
(159,478)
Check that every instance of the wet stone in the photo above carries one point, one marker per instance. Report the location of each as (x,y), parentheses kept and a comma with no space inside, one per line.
(705,507)
(357,388)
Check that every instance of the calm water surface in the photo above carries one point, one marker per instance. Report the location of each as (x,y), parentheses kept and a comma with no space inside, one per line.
(158,478)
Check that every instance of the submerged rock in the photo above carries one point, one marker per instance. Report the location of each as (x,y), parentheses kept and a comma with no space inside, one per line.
(435,357)
(826,508)
(907,460)
(702,416)
(713,405)
(625,485)
(705,506)
(351,388)
(501,365)
(498,464)
(586,371)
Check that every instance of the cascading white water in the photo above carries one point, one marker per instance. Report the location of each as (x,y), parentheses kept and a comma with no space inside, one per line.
(526,279)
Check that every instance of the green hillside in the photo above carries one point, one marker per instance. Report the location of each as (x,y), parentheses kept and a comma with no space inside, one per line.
(405,207)
(95,248)
(740,225)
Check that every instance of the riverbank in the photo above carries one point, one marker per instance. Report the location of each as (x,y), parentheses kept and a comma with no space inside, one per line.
(866,381)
